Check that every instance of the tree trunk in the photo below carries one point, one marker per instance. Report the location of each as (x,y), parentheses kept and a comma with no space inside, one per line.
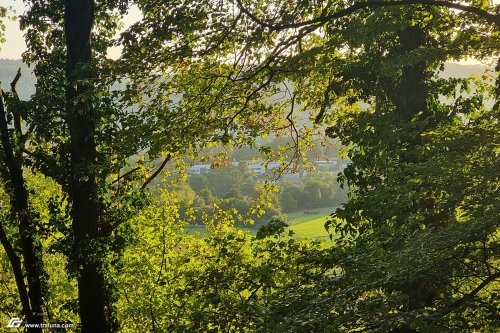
(79,17)
(31,249)
(410,98)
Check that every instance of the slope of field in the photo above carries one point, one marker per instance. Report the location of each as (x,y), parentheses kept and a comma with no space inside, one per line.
(314,228)
(303,225)
(309,225)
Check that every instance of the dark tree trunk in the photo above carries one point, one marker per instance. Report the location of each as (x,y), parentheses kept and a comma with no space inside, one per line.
(412,93)
(496,106)
(31,249)
(410,98)
(79,17)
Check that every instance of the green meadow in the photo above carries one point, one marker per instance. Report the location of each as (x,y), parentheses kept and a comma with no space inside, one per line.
(309,225)
(303,225)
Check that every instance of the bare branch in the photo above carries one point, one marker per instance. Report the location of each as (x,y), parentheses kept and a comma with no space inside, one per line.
(326,101)
(16,112)
(14,82)
(157,172)
(126,174)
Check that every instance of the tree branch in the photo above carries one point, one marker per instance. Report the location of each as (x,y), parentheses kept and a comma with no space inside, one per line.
(491,18)
(14,82)
(17,112)
(15,262)
(473,293)
(157,172)
(126,174)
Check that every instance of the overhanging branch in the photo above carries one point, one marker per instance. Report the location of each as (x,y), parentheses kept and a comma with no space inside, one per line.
(491,18)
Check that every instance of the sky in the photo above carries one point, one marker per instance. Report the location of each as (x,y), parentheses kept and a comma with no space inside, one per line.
(15,46)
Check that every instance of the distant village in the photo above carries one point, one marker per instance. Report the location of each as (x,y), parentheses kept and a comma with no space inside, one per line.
(287,172)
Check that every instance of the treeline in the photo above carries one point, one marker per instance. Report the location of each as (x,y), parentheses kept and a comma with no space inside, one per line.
(239,188)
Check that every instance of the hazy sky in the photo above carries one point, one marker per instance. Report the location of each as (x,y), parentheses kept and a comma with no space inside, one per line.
(15,46)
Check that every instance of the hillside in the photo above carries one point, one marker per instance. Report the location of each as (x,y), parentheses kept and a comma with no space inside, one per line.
(26,85)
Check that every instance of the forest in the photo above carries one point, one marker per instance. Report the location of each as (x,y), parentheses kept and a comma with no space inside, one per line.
(129,123)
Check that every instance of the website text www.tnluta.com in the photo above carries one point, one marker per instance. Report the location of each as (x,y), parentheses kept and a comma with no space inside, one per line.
(16,322)
(57,325)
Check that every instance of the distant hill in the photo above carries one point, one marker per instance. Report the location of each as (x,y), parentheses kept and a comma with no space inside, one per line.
(462,71)
(26,85)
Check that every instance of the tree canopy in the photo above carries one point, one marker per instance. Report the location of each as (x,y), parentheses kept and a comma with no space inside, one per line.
(413,249)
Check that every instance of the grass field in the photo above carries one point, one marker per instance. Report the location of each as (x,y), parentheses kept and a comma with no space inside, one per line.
(303,225)
(309,225)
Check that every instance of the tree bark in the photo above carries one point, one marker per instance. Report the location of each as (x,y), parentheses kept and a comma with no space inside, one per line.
(79,18)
